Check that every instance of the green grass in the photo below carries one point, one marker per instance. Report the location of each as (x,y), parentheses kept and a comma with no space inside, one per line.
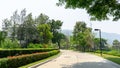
(40,61)
(112,58)
(0,48)
(115,59)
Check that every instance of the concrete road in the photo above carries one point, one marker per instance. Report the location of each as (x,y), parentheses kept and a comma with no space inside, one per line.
(72,59)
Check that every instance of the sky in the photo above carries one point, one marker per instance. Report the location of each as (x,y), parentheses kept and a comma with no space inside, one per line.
(49,8)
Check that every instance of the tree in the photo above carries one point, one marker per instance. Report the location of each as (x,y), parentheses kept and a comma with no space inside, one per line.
(27,31)
(82,36)
(2,37)
(78,28)
(6,25)
(45,34)
(14,20)
(97,9)
(116,44)
(57,38)
(55,25)
(97,43)
(22,16)
(89,38)
(55,29)
(42,19)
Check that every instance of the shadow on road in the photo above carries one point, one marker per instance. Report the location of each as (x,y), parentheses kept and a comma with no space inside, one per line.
(89,65)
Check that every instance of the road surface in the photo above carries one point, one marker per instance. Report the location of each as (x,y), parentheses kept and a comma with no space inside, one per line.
(72,59)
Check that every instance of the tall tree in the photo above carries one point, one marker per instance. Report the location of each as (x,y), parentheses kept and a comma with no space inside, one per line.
(55,29)
(6,26)
(89,37)
(98,9)
(22,16)
(30,28)
(27,31)
(78,28)
(57,38)
(15,20)
(2,37)
(42,19)
(82,36)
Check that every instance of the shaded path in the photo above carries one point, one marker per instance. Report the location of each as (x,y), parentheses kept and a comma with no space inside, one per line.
(72,59)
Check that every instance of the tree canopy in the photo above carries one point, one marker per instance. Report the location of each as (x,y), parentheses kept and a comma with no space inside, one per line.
(116,42)
(45,34)
(27,29)
(55,29)
(82,36)
(97,9)
(97,43)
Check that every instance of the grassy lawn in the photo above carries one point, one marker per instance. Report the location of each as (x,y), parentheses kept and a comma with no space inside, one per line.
(112,58)
(115,59)
(40,61)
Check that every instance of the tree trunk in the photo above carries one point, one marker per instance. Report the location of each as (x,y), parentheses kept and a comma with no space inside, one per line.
(59,44)
(84,48)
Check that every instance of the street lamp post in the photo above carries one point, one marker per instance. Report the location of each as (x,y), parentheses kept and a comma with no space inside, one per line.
(100,40)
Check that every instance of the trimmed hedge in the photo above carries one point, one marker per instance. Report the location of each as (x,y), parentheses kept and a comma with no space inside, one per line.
(17,61)
(15,52)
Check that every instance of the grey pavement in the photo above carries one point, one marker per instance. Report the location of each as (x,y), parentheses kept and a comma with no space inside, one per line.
(72,59)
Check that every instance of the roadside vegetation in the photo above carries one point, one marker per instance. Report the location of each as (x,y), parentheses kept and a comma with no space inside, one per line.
(22,34)
(34,64)
(26,39)
(17,61)
(111,57)
(112,53)
(85,40)
(115,59)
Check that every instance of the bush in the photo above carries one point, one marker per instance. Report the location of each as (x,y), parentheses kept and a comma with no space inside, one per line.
(31,45)
(10,44)
(17,61)
(110,52)
(113,52)
(13,52)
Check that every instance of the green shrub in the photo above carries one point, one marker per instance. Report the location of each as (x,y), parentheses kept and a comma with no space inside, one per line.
(110,52)
(17,61)
(13,52)
(113,52)
(10,44)
(31,45)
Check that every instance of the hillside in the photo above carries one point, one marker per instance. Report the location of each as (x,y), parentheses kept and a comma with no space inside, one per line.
(109,36)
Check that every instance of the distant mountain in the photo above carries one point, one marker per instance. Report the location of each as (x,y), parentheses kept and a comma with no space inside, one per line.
(108,36)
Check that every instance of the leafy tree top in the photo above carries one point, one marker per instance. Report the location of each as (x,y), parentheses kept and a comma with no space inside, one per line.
(116,42)
(97,9)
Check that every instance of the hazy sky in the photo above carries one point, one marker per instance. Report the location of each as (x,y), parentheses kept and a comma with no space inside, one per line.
(48,7)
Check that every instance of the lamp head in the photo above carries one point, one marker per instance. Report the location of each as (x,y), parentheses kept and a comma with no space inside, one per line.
(96,29)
